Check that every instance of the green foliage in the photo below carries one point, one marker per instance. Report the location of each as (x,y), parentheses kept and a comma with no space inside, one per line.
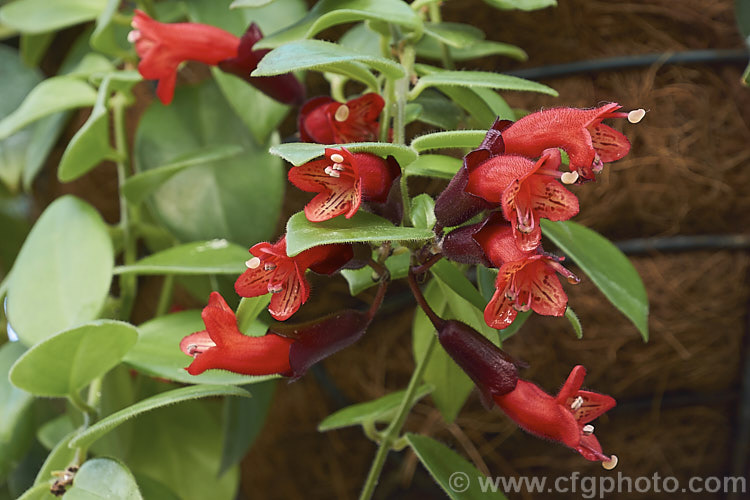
(104,478)
(521,4)
(449,139)
(64,269)
(430,165)
(377,410)
(302,234)
(108,424)
(478,79)
(41,16)
(606,265)
(456,476)
(236,198)
(200,257)
(63,364)
(299,153)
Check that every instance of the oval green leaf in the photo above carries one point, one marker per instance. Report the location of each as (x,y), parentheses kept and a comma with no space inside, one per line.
(158,352)
(237,198)
(458,478)
(200,257)
(140,186)
(478,79)
(361,279)
(103,478)
(299,153)
(302,234)
(58,93)
(64,270)
(65,363)
(521,4)
(39,16)
(109,423)
(90,145)
(320,56)
(606,265)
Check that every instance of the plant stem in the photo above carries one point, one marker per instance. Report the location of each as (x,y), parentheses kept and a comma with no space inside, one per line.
(390,435)
(128,282)
(445,52)
(165,297)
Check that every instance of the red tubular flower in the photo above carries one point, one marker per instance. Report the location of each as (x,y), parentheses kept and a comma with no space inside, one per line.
(564,418)
(344,180)
(527,191)
(221,345)
(325,121)
(163,47)
(580,132)
(272,270)
(525,280)
(285,349)
(455,206)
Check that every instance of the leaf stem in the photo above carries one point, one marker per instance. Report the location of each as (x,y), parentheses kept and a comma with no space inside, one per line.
(128,282)
(390,435)
(445,52)
(165,297)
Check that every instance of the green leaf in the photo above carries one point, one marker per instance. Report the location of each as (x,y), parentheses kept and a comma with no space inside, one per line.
(85,438)
(138,187)
(423,211)
(452,276)
(37,492)
(103,478)
(45,134)
(64,364)
(33,47)
(361,279)
(496,103)
(50,96)
(39,16)
(440,166)
(606,265)
(302,234)
(188,437)
(58,459)
(299,153)
(478,79)
(237,4)
(320,56)
(90,145)
(158,352)
(243,421)
(361,39)
(458,478)
(64,270)
(109,37)
(437,110)
(571,316)
(451,139)
(14,402)
(199,257)
(55,430)
(480,112)
(521,4)
(429,48)
(327,13)
(452,34)
(377,410)
(16,81)
(237,198)
(249,310)
(452,385)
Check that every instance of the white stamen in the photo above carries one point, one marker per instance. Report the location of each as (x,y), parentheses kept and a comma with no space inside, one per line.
(577,403)
(275,288)
(569,177)
(269,267)
(337,158)
(588,429)
(338,166)
(611,463)
(192,350)
(636,115)
(332,172)
(253,263)
(342,113)
(133,36)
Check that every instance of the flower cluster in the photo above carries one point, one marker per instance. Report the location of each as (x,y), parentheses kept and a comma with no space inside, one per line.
(515,178)
(516,174)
